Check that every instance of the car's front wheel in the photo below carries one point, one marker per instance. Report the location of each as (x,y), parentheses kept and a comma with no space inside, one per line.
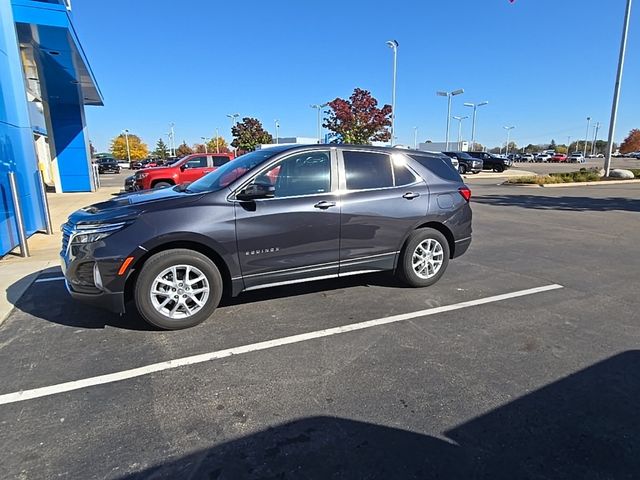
(424,258)
(161,185)
(178,288)
(498,169)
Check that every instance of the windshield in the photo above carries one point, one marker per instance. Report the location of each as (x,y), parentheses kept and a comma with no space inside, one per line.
(226,174)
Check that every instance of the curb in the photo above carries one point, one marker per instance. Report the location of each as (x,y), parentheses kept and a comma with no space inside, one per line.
(574,184)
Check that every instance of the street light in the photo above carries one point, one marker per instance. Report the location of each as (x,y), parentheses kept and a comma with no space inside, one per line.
(586,137)
(508,129)
(473,123)
(449,95)
(277,127)
(204,141)
(596,129)
(173,140)
(393,44)
(319,107)
(460,119)
(616,90)
(415,138)
(126,137)
(217,141)
(233,117)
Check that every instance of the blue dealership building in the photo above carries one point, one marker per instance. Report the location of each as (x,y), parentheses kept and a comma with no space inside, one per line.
(45,83)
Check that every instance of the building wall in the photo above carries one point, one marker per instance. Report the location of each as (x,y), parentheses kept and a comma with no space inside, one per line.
(17,152)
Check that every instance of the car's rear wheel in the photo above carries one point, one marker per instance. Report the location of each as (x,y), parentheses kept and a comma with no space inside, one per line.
(424,258)
(498,169)
(462,168)
(161,185)
(178,288)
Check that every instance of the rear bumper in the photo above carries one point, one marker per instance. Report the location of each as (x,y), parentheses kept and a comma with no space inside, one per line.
(461,246)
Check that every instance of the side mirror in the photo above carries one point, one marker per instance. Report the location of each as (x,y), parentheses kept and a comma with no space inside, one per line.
(255,191)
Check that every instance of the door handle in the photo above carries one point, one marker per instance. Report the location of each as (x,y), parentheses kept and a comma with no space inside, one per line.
(323,205)
(411,195)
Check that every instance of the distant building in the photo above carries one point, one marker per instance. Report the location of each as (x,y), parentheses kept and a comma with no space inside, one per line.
(291,141)
(442,146)
(45,82)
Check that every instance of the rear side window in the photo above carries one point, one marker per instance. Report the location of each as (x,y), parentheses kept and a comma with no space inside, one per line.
(402,175)
(439,166)
(364,170)
(219,161)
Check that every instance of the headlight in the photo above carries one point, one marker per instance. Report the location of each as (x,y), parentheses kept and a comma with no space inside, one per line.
(90,233)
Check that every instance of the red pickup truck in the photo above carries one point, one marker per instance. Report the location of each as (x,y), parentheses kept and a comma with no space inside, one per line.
(187,169)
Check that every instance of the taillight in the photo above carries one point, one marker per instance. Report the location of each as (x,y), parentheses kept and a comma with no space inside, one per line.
(465,192)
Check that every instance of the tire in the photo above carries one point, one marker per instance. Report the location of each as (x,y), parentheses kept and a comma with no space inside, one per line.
(406,271)
(462,168)
(158,267)
(161,185)
(498,169)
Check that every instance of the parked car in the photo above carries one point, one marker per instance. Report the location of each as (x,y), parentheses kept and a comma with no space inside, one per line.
(492,162)
(595,155)
(108,165)
(466,163)
(543,158)
(576,157)
(558,157)
(276,216)
(187,169)
(129,183)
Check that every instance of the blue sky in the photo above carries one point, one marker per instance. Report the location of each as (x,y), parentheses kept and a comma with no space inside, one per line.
(544,65)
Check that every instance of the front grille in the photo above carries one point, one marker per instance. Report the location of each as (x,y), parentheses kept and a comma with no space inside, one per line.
(67,230)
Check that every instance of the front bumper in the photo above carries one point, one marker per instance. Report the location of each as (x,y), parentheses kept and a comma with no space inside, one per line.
(111,301)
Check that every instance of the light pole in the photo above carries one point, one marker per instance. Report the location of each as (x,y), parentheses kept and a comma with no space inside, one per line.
(449,95)
(277,125)
(173,140)
(204,142)
(596,127)
(586,138)
(415,138)
(568,145)
(616,91)
(508,129)
(393,44)
(217,141)
(126,138)
(473,123)
(233,117)
(319,107)
(460,119)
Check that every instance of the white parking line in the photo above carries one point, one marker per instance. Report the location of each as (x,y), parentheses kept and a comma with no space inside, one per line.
(48,279)
(206,357)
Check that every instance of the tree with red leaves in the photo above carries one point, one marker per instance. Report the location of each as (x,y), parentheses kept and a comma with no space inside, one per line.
(358,120)
(632,142)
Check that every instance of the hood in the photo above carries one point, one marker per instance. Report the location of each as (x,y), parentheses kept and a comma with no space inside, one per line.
(129,206)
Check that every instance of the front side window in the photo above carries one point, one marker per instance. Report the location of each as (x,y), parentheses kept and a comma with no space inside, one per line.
(365,170)
(198,162)
(306,173)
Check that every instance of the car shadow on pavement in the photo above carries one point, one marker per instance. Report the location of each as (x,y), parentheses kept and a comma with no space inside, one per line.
(584,426)
(577,204)
(50,300)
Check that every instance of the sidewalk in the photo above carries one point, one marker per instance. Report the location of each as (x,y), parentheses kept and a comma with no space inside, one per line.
(16,273)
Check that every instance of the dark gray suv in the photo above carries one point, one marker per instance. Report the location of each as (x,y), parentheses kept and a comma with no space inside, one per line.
(272,217)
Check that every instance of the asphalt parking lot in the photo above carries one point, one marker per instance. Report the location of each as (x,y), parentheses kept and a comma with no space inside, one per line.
(541,385)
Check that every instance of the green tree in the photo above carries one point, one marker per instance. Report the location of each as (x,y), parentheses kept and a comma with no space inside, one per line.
(552,145)
(632,142)
(358,120)
(161,151)
(249,133)
(137,148)
(183,149)
(531,148)
(218,144)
